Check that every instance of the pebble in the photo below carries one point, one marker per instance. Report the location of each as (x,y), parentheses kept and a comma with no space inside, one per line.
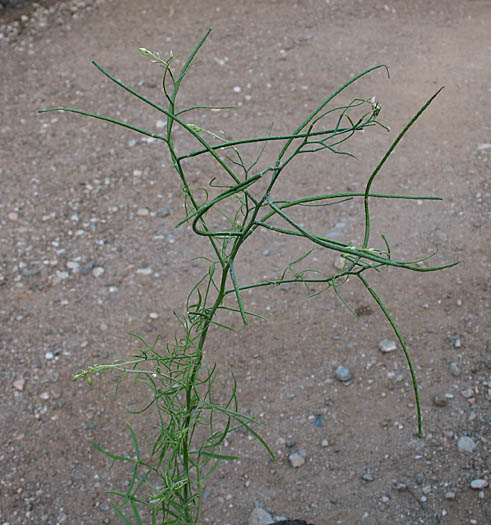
(440,400)
(160,124)
(98,271)
(368,477)
(143,212)
(468,392)
(87,268)
(339,263)
(44,396)
(49,355)
(297,459)
(144,271)
(386,345)
(456,342)
(30,272)
(324,443)
(466,444)
(164,211)
(12,216)
(343,374)
(450,495)
(73,266)
(454,369)
(478,484)
(260,516)
(19,384)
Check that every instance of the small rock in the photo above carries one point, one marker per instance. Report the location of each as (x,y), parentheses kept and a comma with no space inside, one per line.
(454,369)
(466,444)
(19,384)
(324,443)
(297,459)
(339,263)
(440,400)
(468,392)
(450,495)
(343,374)
(98,271)
(368,477)
(160,124)
(12,216)
(456,342)
(426,490)
(386,346)
(290,443)
(87,268)
(30,272)
(144,271)
(478,484)
(73,266)
(44,396)
(259,517)
(164,211)
(49,355)
(143,212)
(483,146)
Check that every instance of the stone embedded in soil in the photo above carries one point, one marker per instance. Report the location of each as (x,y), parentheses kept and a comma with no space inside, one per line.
(297,459)
(87,268)
(468,392)
(259,516)
(454,369)
(19,384)
(343,374)
(164,211)
(386,345)
(440,400)
(98,271)
(368,477)
(466,444)
(143,212)
(478,484)
(456,342)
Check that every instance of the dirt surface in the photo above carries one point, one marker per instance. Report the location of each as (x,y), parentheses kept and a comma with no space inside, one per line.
(73,191)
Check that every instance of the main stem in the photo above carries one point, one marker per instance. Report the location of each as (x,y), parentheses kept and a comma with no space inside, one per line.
(196,367)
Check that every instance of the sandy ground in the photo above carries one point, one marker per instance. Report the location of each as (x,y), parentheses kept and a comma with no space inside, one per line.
(73,191)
